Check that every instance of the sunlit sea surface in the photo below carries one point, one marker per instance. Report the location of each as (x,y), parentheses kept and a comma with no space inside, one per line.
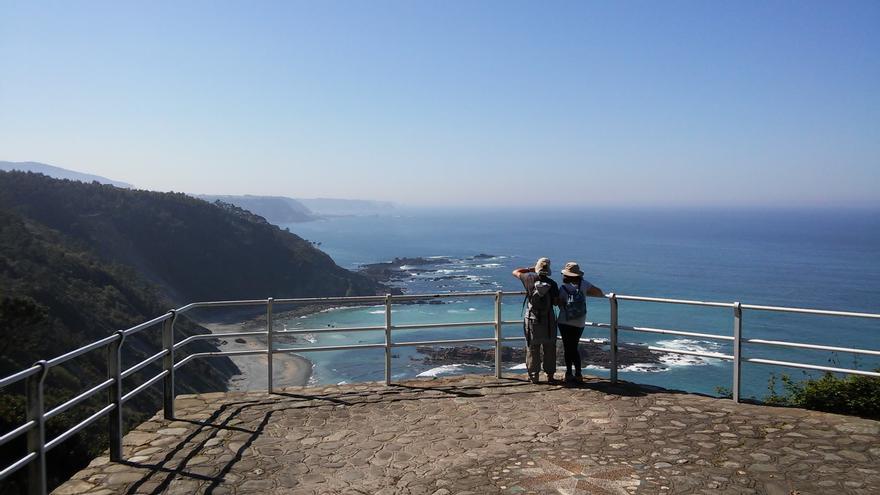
(813,259)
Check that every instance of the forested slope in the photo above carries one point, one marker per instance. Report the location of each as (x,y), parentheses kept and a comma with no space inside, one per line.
(79,261)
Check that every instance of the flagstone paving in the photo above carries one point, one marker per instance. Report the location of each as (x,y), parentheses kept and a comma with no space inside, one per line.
(477,434)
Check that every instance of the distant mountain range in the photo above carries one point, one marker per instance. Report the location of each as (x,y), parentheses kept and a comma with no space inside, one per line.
(60,173)
(275,209)
(347,207)
(281,209)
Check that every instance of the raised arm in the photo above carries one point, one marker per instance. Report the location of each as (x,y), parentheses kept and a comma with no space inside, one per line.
(519,271)
(595,292)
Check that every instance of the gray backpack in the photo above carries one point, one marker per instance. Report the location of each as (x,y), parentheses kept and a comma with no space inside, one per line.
(575,305)
(540,299)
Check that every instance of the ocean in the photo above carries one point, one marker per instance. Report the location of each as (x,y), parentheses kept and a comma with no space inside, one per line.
(805,258)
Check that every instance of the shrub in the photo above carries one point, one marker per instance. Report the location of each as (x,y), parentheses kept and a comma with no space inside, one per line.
(854,394)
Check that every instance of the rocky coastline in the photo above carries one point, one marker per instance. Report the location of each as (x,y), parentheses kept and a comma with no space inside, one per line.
(593,353)
(403,268)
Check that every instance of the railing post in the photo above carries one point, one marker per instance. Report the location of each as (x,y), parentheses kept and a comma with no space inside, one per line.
(36,437)
(168,365)
(269,345)
(114,371)
(498,334)
(737,349)
(387,339)
(613,337)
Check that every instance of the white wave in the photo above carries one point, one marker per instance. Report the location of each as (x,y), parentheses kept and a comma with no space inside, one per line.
(336,308)
(472,309)
(644,368)
(691,345)
(682,360)
(448,369)
(594,367)
(310,338)
(379,312)
(442,370)
(488,265)
(520,366)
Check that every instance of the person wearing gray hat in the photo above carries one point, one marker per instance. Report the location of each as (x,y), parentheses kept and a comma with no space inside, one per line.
(539,322)
(573,315)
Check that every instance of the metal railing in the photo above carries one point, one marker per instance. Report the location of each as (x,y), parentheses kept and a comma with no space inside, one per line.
(34,377)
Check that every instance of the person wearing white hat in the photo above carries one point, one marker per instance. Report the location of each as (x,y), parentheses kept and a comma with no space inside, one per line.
(573,316)
(539,322)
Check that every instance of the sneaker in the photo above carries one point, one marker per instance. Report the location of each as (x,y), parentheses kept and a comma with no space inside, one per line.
(579,378)
(550,379)
(569,378)
(533,378)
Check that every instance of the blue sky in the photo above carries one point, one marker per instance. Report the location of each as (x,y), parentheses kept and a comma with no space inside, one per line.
(454,103)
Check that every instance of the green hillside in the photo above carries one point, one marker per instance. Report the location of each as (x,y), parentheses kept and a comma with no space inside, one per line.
(191,249)
(79,261)
(55,297)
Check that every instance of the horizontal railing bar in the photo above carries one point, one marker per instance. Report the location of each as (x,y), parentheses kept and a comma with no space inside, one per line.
(300,331)
(185,360)
(79,398)
(335,299)
(689,302)
(185,341)
(184,309)
(512,339)
(798,345)
(597,325)
(82,350)
(79,427)
(209,336)
(17,465)
(824,312)
(21,375)
(443,325)
(692,353)
(18,431)
(441,342)
(330,348)
(674,332)
(252,352)
(146,362)
(811,367)
(443,295)
(587,324)
(140,388)
(329,300)
(159,319)
(212,304)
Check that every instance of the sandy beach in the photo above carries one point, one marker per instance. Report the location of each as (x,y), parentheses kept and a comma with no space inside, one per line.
(289,369)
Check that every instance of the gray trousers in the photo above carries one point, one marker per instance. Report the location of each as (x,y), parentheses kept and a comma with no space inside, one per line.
(540,345)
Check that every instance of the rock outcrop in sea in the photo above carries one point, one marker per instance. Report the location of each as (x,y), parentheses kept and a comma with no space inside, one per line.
(595,353)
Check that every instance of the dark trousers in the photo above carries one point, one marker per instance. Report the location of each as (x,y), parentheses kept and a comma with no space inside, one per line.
(571,337)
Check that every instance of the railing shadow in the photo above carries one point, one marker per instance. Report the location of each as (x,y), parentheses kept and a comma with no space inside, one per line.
(283,401)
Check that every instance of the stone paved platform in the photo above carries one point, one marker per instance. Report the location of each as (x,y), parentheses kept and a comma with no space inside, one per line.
(481,435)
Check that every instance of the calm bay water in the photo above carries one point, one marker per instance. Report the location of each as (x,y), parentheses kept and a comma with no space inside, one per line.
(818,259)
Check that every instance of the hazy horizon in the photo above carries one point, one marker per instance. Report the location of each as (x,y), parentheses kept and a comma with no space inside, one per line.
(490,104)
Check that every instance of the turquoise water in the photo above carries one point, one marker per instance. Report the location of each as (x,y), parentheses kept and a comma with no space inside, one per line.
(820,259)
